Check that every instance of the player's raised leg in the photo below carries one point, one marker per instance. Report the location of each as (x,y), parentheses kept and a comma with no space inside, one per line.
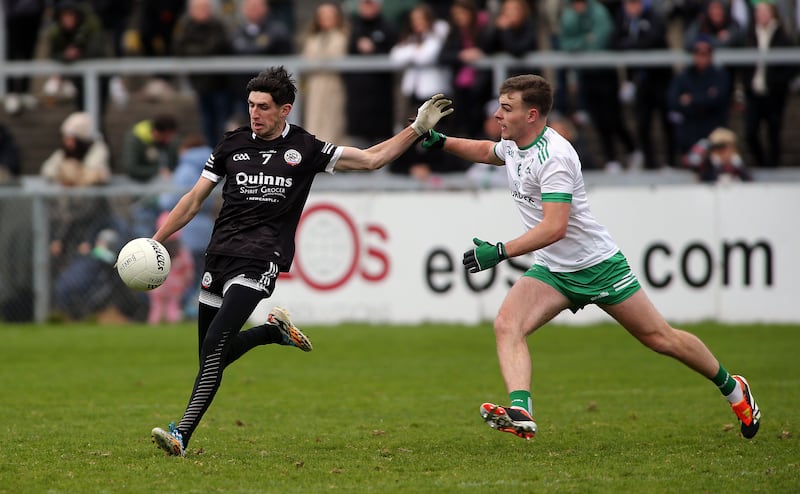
(638,315)
(292,336)
(746,409)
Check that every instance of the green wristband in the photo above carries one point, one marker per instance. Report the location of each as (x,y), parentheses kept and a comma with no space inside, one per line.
(434,140)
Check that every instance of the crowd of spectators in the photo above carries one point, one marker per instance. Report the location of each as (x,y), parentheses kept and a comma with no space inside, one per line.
(434,45)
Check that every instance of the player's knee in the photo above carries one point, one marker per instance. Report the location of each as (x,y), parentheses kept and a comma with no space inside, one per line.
(504,327)
(663,342)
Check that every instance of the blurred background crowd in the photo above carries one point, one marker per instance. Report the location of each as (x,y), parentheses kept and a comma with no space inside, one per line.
(714,122)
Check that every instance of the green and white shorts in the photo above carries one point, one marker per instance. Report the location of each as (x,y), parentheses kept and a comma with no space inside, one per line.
(609,282)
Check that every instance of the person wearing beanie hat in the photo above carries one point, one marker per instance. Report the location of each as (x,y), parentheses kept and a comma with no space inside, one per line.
(78,125)
(82,159)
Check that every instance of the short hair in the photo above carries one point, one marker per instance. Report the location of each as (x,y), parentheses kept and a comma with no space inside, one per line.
(165,123)
(277,82)
(536,91)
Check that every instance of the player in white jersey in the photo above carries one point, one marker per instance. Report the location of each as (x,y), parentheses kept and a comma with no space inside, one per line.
(576,262)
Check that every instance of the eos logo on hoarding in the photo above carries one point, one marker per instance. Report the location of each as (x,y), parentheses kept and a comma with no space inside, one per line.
(331,250)
(737,263)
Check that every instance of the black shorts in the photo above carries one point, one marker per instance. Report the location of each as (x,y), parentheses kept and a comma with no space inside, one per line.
(223,271)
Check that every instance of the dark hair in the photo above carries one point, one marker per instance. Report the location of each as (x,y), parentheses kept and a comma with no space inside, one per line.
(277,82)
(164,123)
(536,91)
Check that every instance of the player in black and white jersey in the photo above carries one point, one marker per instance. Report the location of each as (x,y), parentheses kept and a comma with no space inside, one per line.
(266,170)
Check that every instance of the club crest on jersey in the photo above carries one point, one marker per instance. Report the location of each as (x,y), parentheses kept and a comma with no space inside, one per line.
(206,282)
(292,157)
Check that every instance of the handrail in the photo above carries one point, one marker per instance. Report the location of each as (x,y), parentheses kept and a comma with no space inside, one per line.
(92,69)
(248,64)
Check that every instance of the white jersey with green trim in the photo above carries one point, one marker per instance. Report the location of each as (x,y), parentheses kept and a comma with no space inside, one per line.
(549,170)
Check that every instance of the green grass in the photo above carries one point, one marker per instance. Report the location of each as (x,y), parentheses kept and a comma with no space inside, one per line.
(392,409)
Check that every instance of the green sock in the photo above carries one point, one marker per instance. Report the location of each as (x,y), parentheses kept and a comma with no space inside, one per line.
(724,381)
(522,398)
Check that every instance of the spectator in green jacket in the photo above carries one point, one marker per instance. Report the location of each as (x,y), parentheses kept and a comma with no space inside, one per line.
(150,148)
(74,35)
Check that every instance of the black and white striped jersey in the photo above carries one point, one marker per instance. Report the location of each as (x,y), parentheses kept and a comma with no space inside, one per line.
(266,184)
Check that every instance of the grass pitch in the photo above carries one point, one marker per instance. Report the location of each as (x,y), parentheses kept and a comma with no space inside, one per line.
(392,409)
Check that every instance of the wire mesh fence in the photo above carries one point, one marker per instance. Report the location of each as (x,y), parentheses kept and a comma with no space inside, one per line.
(58,248)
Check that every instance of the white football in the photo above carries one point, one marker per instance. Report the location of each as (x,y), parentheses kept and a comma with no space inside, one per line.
(143,264)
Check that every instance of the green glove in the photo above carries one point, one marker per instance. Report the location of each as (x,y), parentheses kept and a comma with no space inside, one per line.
(434,140)
(429,114)
(484,255)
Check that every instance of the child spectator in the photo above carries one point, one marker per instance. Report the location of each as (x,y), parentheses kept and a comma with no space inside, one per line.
(86,284)
(717,159)
(196,233)
(166,301)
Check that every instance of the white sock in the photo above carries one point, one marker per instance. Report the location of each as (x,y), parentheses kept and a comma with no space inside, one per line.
(736,395)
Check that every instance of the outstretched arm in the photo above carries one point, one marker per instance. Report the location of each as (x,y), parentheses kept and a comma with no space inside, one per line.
(476,151)
(186,209)
(383,153)
(379,155)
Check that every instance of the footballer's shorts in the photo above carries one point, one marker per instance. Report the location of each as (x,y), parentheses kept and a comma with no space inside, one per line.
(609,282)
(223,271)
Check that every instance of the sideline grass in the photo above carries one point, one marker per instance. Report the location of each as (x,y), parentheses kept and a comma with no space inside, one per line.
(392,409)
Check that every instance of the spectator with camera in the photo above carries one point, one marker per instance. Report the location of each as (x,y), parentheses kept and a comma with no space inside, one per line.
(716,158)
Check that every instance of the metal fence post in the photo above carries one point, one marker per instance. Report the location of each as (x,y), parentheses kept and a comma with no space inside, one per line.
(91,96)
(40,228)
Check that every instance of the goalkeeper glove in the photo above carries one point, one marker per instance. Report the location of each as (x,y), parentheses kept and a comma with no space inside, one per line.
(484,255)
(429,114)
(434,140)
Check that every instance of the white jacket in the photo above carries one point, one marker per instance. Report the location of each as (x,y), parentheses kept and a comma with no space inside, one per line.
(422,78)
